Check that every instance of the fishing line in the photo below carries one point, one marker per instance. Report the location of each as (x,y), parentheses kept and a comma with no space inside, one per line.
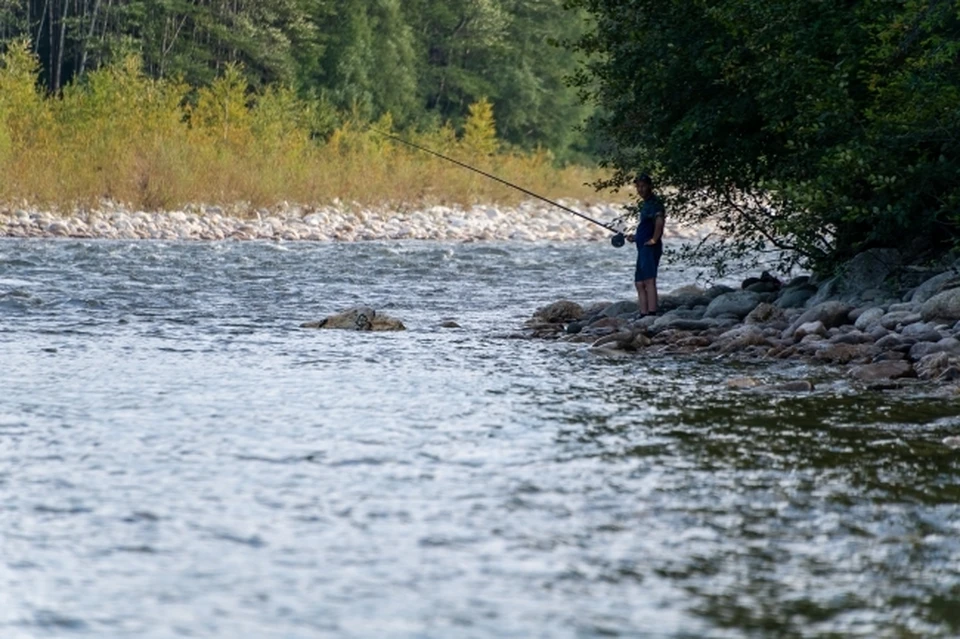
(617,240)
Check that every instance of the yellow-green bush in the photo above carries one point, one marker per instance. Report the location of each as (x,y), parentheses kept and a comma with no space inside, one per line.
(158,144)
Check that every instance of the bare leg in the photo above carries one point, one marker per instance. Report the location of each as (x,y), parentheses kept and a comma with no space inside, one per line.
(642,297)
(647,289)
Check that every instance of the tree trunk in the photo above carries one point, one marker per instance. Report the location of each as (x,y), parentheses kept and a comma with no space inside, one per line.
(63,37)
(86,41)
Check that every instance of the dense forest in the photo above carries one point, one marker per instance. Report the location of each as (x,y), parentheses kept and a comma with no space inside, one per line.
(423,61)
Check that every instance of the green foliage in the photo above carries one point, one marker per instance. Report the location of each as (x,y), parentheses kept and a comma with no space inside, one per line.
(480,130)
(423,61)
(819,127)
(156,143)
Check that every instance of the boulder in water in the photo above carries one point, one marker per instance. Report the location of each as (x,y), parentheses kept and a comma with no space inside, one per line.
(360,318)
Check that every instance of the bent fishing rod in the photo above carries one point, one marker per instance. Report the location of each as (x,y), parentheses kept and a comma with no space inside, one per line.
(617,240)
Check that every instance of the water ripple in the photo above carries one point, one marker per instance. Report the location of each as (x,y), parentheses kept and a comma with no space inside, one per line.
(178,457)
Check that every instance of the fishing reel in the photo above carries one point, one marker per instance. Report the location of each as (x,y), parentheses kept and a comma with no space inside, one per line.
(618,240)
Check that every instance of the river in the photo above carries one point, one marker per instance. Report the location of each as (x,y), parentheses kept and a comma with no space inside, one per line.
(179,458)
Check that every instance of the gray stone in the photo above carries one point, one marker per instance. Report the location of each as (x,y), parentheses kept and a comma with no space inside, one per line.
(718,290)
(810,328)
(620,308)
(795,296)
(889,369)
(868,319)
(902,307)
(853,337)
(933,286)
(763,287)
(944,306)
(932,366)
(922,332)
(828,290)
(736,303)
(866,271)
(949,345)
(830,313)
(892,320)
(673,322)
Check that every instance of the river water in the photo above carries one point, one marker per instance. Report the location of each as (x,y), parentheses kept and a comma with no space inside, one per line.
(178,458)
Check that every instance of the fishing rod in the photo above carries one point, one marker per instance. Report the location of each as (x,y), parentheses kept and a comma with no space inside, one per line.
(617,240)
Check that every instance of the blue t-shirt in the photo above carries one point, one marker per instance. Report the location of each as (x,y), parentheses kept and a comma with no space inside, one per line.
(651,209)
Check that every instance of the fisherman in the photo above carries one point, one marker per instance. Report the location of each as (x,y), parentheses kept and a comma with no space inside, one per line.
(649,245)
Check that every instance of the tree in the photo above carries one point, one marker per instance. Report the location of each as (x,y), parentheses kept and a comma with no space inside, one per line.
(783,122)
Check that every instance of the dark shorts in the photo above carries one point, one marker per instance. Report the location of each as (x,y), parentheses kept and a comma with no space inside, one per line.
(648,261)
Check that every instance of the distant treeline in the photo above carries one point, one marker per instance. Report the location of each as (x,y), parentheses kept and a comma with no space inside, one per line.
(422,61)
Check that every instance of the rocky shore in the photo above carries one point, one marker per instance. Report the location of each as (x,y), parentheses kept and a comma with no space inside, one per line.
(889,325)
(338,222)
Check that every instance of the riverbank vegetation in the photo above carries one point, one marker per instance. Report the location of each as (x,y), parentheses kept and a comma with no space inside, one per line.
(159,103)
(159,144)
(822,128)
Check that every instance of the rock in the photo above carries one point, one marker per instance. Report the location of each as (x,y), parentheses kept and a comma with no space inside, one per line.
(949,345)
(932,366)
(641,341)
(674,322)
(622,339)
(574,327)
(933,286)
(868,270)
(951,442)
(810,328)
(922,332)
(362,318)
(684,296)
(742,382)
(737,303)
(890,369)
(893,319)
(607,322)
(829,313)
(853,337)
(716,291)
(449,324)
(386,323)
(942,307)
(619,308)
(845,353)
(865,273)
(741,337)
(765,313)
(889,341)
(763,287)
(868,318)
(795,296)
(950,375)
(559,312)
(797,386)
